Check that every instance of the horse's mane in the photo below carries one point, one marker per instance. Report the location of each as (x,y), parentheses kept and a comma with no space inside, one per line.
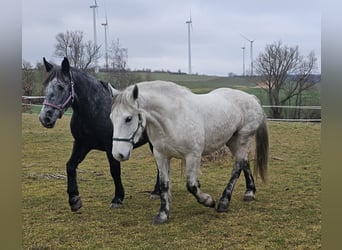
(55,73)
(153,88)
(81,76)
(124,97)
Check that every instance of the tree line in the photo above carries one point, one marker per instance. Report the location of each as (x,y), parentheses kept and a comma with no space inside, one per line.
(285,74)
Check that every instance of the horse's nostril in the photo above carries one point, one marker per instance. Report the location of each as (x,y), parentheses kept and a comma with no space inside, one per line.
(47,120)
(121,156)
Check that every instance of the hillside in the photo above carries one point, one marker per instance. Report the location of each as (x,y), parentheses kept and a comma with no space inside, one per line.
(197,83)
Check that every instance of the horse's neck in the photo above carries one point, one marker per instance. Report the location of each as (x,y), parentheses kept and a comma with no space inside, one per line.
(159,107)
(153,101)
(81,89)
(86,100)
(157,96)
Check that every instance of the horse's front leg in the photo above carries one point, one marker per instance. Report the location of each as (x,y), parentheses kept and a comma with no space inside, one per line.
(155,194)
(115,171)
(77,156)
(163,164)
(193,185)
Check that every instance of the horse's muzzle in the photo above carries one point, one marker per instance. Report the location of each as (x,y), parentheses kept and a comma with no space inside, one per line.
(48,118)
(122,153)
(46,122)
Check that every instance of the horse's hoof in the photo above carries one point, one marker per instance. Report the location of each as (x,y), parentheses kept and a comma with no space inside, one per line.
(249,196)
(223,206)
(207,201)
(160,218)
(155,194)
(75,203)
(212,204)
(115,205)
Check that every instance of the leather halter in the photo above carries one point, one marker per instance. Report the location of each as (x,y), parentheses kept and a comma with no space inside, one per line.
(63,107)
(131,139)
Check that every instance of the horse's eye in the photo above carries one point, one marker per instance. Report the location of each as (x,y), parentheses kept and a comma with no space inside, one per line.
(60,87)
(128,119)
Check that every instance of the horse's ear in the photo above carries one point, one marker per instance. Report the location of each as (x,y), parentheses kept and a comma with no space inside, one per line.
(112,90)
(135,92)
(48,66)
(66,67)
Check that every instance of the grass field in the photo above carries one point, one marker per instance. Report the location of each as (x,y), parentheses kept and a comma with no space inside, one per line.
(197,83)
(286,214)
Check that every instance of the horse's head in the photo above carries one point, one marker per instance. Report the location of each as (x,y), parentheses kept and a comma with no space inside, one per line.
(128,122)
(59,93)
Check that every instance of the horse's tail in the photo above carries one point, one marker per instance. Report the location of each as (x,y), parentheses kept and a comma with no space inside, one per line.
(261,151)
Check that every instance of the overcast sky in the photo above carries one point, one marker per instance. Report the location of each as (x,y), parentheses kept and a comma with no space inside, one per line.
(155,32)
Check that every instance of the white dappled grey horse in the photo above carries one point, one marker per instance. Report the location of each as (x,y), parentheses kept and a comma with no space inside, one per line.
(185,125)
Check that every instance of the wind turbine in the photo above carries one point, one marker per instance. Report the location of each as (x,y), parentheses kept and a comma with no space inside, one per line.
(189,23)
(243,60)
(94,23)
(251,47)
(105,25)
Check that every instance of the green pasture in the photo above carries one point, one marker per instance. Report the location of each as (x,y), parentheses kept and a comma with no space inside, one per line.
(197,83)
(201,84)
(285,215)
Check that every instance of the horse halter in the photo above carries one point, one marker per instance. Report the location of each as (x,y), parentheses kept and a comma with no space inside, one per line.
(131,139)
(63,107)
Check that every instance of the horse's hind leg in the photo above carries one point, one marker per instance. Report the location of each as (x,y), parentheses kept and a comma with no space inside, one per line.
(239,145)
(228,191)
(193,185)
(77,156)
(250,185)
(115,171)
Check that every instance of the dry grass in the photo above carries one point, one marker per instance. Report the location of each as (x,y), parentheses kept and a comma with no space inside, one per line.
(286,214)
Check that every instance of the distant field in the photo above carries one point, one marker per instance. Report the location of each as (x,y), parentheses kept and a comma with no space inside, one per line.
(203,84)
(286,215)
(197,83)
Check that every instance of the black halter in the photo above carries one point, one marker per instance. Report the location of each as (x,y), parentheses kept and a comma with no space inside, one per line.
(131,139)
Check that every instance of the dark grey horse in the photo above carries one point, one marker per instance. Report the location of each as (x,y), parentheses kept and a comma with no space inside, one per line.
(90,125)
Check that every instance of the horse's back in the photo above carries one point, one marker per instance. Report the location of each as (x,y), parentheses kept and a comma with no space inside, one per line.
(238,100)
(227,102)
(225,112)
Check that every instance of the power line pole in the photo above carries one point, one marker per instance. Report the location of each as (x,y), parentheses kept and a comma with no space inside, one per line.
(106,45)
(189,44)
(252,57)
(251,49)
(95,41)
(243,60)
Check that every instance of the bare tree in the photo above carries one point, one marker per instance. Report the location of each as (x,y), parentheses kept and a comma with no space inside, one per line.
(40,76)
(121,75)
(80,54)
(285,73)
(92,54)
(27,78)
(118,55)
